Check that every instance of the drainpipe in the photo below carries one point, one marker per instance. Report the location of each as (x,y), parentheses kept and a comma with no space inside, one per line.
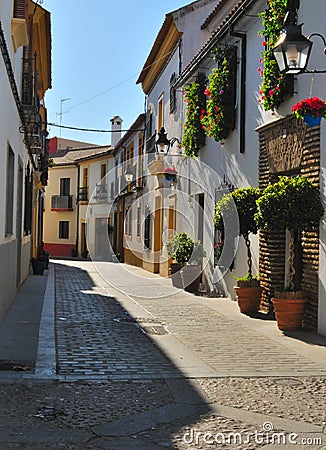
(243,82)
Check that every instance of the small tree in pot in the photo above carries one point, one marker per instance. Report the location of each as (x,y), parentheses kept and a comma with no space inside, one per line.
(247,290)
(293,203)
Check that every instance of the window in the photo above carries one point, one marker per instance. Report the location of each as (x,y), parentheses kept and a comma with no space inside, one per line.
(10,192)
(138,220)
(28,202)
(85,177)
(20,9)
(128,222)
(149,124)
(160,122)
(64,186)
(173,93)
(63,229)
(103,171)
(130,154)
(147,230)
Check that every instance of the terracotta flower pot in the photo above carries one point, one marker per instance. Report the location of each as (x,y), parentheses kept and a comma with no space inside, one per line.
(248,298)
(289,313)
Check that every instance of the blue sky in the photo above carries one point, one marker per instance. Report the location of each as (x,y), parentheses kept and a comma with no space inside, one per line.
(98,50)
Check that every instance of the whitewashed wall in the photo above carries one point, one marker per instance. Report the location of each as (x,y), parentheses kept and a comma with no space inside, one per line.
(10,135)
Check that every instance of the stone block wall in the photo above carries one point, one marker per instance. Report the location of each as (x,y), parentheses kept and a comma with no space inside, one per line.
(289,147)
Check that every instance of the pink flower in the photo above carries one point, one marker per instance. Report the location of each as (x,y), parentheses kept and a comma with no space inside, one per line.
(271,92)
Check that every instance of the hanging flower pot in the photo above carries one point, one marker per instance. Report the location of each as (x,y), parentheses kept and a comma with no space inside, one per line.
(170,174)
(311,110)
(312,121)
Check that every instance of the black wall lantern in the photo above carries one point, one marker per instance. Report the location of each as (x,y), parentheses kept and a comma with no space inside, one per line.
(163,144)
(292,50)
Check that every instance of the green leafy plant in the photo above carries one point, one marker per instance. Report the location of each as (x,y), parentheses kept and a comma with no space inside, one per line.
(185,250)
(248,281)
(274,84)
(216,120)
(292,203)
(244,200)
(194,136)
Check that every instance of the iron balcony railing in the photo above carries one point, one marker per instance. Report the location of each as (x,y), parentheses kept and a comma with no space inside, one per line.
(101,191)
(61,202)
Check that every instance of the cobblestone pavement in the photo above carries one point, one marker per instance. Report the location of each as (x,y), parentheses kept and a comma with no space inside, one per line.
(147,372)
(96,337)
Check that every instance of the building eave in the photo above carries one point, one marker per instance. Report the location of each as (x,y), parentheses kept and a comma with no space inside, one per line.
(165,41)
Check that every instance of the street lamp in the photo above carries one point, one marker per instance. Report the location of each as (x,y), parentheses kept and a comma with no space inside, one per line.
(292,50)
(163,144)
(129,174)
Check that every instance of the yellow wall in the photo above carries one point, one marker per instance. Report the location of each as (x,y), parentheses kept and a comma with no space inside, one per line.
(52,218)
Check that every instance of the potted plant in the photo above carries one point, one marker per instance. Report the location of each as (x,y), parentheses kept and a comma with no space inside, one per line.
(187,255)
(311,110)
(170,174)
(176,265)
(193,133)
(248,290)
(38,266)
(292,203)
(218,118)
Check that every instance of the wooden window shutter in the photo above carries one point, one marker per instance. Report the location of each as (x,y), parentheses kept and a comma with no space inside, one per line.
(21,9)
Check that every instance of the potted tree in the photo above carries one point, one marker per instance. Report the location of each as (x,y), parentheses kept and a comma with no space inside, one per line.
(292,203)
(247,290)
(187,255)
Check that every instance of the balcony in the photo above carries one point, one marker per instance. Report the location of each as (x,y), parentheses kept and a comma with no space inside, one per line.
(61,203)
(83,194)
(101,192)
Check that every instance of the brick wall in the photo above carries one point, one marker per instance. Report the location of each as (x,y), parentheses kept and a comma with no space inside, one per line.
(289,147)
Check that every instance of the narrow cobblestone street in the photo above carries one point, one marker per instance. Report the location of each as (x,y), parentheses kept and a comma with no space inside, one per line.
(127,362)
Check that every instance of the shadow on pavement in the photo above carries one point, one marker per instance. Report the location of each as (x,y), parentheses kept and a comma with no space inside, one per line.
(98,340)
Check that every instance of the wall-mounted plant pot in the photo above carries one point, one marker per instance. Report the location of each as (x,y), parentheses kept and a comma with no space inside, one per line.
(312,121)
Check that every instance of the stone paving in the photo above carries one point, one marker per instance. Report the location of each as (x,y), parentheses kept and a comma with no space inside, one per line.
(96,337)
(143,366)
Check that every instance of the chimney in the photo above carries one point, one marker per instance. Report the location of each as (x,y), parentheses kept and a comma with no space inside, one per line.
(116,122)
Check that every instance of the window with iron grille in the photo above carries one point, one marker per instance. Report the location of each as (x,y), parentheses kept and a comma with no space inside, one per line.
(63,229)
(10,192)
(173,93)
(28,202)
(138,220)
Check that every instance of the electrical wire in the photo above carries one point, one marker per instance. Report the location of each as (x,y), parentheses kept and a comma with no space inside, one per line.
(90,129)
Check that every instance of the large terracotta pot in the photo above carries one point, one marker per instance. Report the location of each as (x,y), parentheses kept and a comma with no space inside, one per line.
(289,313)
(248,298)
